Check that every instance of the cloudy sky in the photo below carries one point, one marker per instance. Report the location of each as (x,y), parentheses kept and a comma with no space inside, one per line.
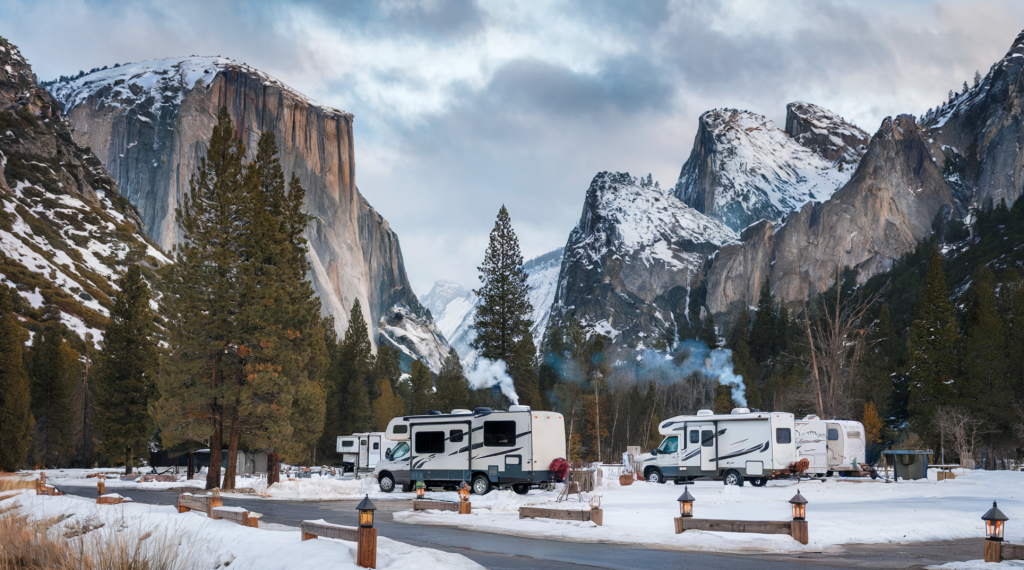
(462,106)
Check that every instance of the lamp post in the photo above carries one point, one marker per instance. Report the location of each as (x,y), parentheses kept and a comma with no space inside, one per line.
(686,504)
(421,489)
(367,539)
(994,522)
(798,528)
(464,504)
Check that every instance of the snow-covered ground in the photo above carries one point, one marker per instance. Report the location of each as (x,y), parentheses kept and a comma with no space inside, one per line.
(839,512)
(216,544)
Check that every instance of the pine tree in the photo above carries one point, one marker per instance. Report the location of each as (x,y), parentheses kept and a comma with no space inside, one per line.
(977,78)
(16,430)
(387,406)
(351,373)
(708,330)
(125,379)
(984,385)
(452,391)
(932,345)
(503,316)
(200,301)
(764,334)
(386,364)
(1013,311)
(422,388)
(876,368)
(743,364)
(522,367)
(54,371)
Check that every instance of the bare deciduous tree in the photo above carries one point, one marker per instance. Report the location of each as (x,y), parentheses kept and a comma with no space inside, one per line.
(965,430)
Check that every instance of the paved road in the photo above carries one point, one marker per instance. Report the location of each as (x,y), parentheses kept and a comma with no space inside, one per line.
(501,552)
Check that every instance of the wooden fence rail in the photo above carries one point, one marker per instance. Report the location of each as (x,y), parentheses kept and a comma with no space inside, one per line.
(236,514)
(595,515)
(204,503)
(796,529)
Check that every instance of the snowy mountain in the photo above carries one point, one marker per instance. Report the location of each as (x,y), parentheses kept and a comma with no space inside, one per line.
(66,235)
(633,260)
(743,168)
(454,307)
(149,123)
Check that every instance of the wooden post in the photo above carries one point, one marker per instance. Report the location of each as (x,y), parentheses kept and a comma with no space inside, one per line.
(367,548)
(799,532)
(679,524)
(101,485)
(465,508)
(993,551)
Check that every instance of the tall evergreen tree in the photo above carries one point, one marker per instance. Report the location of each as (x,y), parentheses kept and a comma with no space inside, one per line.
(55,369)
(201,298)
(764,334)
(386,364)
(422,381)
(932,346)
(452,391)
(876,369)
(351,371)
(1013,313)
(16,430)
(742,363)
(522,367)
(125,379)
(503,316)
(985,386)
(387,406)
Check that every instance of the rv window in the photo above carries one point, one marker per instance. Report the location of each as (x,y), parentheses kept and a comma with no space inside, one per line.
(499,434)
(376,446)
(670,445)
(694,436)
(708,438)
(430,442)
(455,435)
(347,443)
(833,434)
(401,428)
(400,450)
(783,435)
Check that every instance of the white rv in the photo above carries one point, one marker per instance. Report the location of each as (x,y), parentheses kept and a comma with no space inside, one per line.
(363,450)
(483,447)
(736,447)
(830,446)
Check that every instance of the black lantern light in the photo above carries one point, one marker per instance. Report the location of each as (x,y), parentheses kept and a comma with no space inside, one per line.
(686,504)
(994,520)
(366,509)
(799,506)
(421,489)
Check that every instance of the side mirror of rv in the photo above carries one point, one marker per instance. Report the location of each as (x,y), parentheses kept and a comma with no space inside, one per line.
(387,454)
(654,451)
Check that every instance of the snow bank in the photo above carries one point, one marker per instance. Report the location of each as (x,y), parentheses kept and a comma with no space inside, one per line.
(319,489)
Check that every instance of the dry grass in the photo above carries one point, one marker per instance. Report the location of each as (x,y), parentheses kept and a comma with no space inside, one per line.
(15,483)
(89,544)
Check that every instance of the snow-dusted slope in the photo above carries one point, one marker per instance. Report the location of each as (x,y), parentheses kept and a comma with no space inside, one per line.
(632,260)
(743,168)
(454,306)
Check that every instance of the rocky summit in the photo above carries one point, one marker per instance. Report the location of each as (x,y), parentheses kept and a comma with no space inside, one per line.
(148,123)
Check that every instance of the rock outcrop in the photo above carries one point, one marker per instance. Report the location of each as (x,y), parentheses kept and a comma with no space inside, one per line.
(632,261)
(743,168)
(149,122)
(66,235)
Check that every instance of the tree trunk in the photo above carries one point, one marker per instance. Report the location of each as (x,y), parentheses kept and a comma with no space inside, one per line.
(213,473)
(229,474)
(127,461)
(597,421)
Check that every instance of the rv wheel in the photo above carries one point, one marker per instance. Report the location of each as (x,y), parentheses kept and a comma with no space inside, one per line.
(387,482)
(733,477)
(759,481)
(521,488)
(653,475)
(481,486)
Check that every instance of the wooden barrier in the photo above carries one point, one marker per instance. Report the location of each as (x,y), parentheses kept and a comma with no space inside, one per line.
(595,515)
(111,499)
(997,551)
(424,505)
(796,529)
(366,538)
(205,503)
(236,514)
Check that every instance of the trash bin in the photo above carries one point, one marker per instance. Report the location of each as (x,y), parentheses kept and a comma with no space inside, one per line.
(908,464)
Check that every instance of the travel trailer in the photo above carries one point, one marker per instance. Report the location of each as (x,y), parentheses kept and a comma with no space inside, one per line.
(362,451)
(831,446)
(486,448)
(736,447)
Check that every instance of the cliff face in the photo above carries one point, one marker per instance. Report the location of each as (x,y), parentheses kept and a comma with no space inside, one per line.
(632,260)
(743,168)
(65,234)
(887,207)
(149,122)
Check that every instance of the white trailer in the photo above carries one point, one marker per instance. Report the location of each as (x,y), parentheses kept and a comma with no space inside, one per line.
(736,447)
(831,446)
(364,450)
(482,447)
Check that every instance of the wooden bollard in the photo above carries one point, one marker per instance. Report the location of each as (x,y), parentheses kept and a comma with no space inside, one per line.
(465,508)
(367,547)
(101,485)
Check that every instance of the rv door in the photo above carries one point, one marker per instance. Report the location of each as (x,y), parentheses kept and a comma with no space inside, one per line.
(363,454)
(835,444)
(374,450)
(708,447)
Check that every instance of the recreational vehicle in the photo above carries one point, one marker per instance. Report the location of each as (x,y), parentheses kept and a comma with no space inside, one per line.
(482,447)
(362,451)
(830,446)
(736,447)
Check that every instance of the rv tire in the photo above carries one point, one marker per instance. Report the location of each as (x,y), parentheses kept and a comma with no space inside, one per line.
(733,477)
(521,488)
(654,475)
(758,481)
(481,486)
(828,473)
(387,482)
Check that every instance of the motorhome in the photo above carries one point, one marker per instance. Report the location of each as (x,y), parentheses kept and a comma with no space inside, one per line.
(831,446)
(485,448)
(735,447)
(362,451)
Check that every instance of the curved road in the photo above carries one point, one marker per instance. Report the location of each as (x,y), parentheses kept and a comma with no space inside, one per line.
(500,552)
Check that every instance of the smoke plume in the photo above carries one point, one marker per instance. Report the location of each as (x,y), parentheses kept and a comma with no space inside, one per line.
(715,364)
(486,373)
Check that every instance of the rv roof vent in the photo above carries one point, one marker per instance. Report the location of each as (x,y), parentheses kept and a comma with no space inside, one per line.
(461,411)
(518,408)
(740,411)
(812,417)
(434,413)
(705,413)
(482,411)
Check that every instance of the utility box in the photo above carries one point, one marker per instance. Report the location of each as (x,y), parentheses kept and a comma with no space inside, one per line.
(908,464)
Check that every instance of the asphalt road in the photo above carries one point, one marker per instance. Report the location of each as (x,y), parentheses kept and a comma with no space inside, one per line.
(501,552)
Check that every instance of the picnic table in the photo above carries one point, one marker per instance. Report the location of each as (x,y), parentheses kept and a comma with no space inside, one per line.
(945,470)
